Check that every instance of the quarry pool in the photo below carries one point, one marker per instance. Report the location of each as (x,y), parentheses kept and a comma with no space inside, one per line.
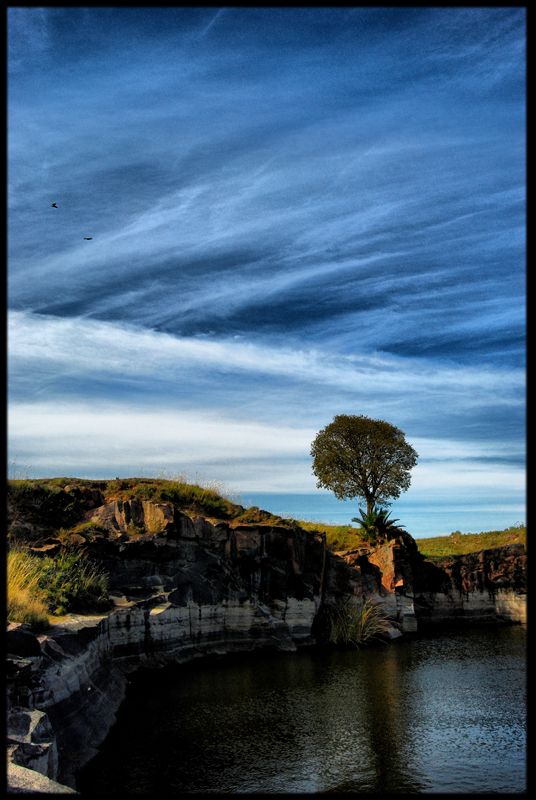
(442,713)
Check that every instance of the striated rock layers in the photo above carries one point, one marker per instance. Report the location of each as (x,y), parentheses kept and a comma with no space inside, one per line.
(476,587)
(184,588)
(486,586)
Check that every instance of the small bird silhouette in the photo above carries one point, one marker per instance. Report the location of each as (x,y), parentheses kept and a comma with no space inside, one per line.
(54,205)
(88,238)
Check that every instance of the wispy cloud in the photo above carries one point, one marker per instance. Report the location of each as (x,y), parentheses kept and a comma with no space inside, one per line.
(240,452)
(108,348)
(295,213)
(212,22)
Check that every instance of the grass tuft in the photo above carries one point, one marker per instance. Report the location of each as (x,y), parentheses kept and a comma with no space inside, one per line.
(38,586)
(348,624)
(71,582)
(25,599)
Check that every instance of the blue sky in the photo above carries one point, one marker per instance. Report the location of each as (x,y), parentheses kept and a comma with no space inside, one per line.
(295,213)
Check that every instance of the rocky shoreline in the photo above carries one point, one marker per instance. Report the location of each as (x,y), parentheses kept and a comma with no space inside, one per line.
(189,588)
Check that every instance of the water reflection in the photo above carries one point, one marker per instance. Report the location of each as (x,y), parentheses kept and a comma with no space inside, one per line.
(443,714)
(389,713)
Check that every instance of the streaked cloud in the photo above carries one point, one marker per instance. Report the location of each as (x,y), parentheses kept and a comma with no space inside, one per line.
(224,446)
(212,21)
(295,213)
(46,344)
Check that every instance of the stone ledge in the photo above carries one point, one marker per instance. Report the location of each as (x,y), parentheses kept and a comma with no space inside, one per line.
(21,780)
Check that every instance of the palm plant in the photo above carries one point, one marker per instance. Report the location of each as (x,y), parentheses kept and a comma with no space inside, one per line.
(376,525)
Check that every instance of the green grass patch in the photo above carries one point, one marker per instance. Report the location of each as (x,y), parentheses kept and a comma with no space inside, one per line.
(461,543)
(338,537)
(87,527)
(40,501)
(186,496)
(256,516)
(71,582)
(67,583)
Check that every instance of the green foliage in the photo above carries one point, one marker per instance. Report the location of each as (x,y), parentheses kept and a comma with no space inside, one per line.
(355,456)
(197,499)
(87,528)
(146,491)
(187,496)
(71,582)
(20,488)
(256,516)
(376,525)
(461,543)
(348,624)
(135,530)
(38,500)
(338,537)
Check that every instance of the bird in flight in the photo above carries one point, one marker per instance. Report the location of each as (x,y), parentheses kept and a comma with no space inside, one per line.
(88,238)
(54,205)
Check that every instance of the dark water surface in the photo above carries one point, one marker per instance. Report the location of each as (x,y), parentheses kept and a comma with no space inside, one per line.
(435,714)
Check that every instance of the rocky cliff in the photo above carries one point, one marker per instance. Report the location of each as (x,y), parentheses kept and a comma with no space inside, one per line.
(186,586)
(182,588)
(476,587)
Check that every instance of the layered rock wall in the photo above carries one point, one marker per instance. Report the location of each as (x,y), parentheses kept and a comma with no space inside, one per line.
(185,588)
(193,589)
(486,586)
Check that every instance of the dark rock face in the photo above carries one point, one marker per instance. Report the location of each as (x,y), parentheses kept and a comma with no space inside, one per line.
(20,641)
(481,587)
(488,570)
(35,512)
(487,586)
(194,560)
(184,588)
(352,572)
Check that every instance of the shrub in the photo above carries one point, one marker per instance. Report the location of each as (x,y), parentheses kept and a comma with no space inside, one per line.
(145,491)
(71,582)
(35,501)
(25,599)
(348,624)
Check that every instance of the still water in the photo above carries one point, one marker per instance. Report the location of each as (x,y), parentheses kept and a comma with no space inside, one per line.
(443,713)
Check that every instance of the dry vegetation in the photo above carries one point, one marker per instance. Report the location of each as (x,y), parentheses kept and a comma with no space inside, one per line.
(25,599)
(38,587)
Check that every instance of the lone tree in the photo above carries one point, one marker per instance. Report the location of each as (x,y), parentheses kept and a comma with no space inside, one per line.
(356,456)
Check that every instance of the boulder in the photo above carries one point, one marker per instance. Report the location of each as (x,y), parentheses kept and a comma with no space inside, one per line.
(21,641)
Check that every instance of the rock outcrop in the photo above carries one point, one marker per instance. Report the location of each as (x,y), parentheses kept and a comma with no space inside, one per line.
(476,587)
(189,589)
(184,588)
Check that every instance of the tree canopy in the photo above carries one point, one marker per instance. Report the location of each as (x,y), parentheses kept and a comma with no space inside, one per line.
(356,456)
